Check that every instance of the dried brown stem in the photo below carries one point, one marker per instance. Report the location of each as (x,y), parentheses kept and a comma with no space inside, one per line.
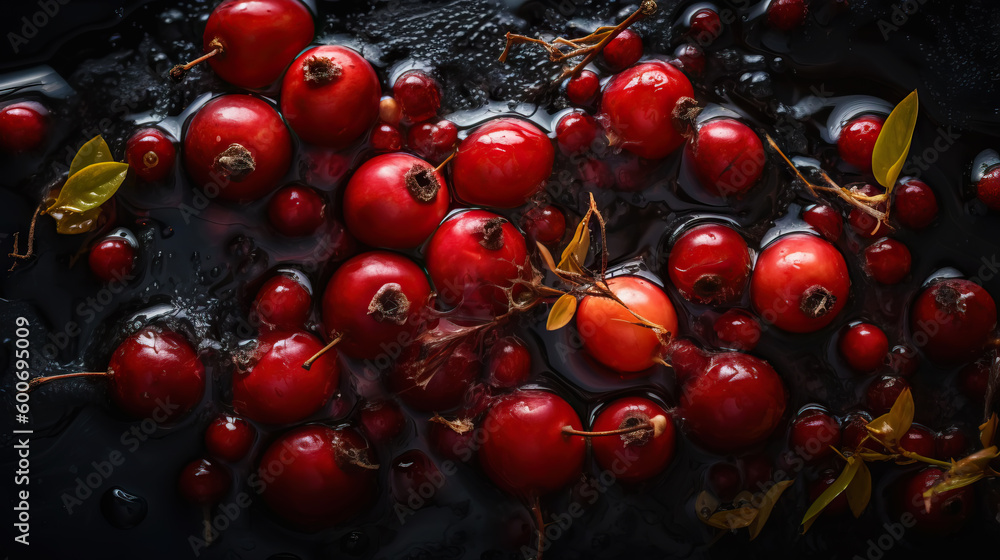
(31,242)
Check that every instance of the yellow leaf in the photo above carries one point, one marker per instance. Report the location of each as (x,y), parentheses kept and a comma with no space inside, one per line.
(976,463)
(859,491)
(950,483)
(90,187)
(767,503)
(988,431)
(96,150)
(893,143)
(732,518)
(72,223)
(576,252)
(705,505)
(561,313)
(831,492)
(891,426)
(546,256)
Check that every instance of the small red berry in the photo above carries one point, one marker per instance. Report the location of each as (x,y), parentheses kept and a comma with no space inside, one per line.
(786,15)
(414,479)
(864,347)
(229,438)
(689,59)
(728,157)
(639,455)
(706,26)
(452,439)
(203,482)
(988,188)
(24,126)
(710,263)
(888,261)
(944,513)
(113,258)
(814,434)
(920,440)
(296,210)
(582,88)
(576,132)
(952,320)
(973,381)
(857,140)
(386,138)
(950,444)
(737,330)
(150,154)
(544,224)
(381,421)
(509,364)
(914,203)
(825,220)
(623,51)
(724,480)
(853,430)
(433,141)
(595,174)
(418,94)
(283,302)
(882,393)
(864,224)
(638,105)
(434,382)
(903,360)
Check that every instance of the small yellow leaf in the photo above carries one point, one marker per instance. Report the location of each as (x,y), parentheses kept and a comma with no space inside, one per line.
(96,150)
(732,518)
(893,143)
(988,431)
(767,503)
(72,223)
(831,492)
(976,463)
(705,505)
(561,313)
(859,491)
(891,426)
(575,252)
(546,256)
(90,187)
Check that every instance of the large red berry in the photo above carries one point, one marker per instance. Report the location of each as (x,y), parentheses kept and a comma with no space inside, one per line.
(639,455)
(728,157)
(257,39)
(24,126)
(296,210)
(864,347)
(229,438)
(710,263)
(526,453)
(608,333)
(857,140)
(638,105)
(237,148)
(503,163)
(375,302)
(888,261)
(316,477)
(395,201)
(330,96)
(150,154)
(914,203)
(623,51)
(418,95)
(283,302)
(270,384)
(474,260)
(800,283)
(944,513)
(952,320)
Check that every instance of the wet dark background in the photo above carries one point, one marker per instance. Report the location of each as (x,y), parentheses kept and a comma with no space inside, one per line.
(108,61)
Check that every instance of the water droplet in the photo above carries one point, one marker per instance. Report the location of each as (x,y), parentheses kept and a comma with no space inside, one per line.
(354,543)
(122,509)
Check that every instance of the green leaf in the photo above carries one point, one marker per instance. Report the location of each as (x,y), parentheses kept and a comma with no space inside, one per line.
(859,491)
(893,143)
(561,313)
(96,150)
(767,503)
(90,187)
(831,492)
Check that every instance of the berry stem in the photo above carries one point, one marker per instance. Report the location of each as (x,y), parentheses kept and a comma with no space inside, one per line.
(31,242)
(178,72)
(308,363)
(43,380)
(656,424)
(445,162)
(536,508)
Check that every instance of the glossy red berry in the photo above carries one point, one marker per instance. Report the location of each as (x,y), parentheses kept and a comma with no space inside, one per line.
(330,478)
(728,157)
(639,455)
(814,434)
(418,94)
(473,260)
(888,261)
(283,303)
(395,201)
(786,15)
(503,163)
(825,220)
(864,224)
(920,440)
(903,360)
(864,347)
(509,363)
(229,438)
(433,141)
(623,51)
(988,188)
(434,381)
(914,204)
(576,132)
(710,263)
(414,479)
(800,283)
(737,330)
(296,210)
(237,148)
(952,320)
(527,453)
(24,126)
(150,154)
(112,259)
(204,482)
(944,513)
(375,302)
(544,224)
(857,140)
(582,87)
(883,392)
(706,26)
(386,138)
(689,59)
(330,96)
(604,326)
(951,443)
(381,421)
(853,430)
(270,384)
(452,439)
(638,106)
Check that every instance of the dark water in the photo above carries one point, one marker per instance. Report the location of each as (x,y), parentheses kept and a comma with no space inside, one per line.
(197,272)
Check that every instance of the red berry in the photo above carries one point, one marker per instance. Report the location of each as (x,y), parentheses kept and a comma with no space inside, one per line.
(113,258)
(952,320)
(156,374)
(724,480)
(386,138)
(690,59)
(947,511)
(635,456)
(623,51)
(786,15)
(638,105)
(920,440)
(825,220)
(605,330)
(839,505)
(857,141)
(582,87)
(950,444)
(430,381)
(283,303)
(728,157)
(509,364)
(883,392)
(452,440)
(864,224)
(737,330)
(864,347)
(24,126)
(381,421)
(888,261)
(503,163)
(389,111)
(150,154)
(258,38)
(329,479)
(973,381)
(706,26)
(395,201)
(204,483)
(418,94)
(330,96)
(229,438)
(375,301)
(414,479)
(735,402)
(814,433)
(710,263)
(988,188)
(576,132)
(903,360)
(474,259)
(237,148)
(853,430)
(527,453)
(800,283)
(433,141)
(544,224)
(296,210)
(914,204)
